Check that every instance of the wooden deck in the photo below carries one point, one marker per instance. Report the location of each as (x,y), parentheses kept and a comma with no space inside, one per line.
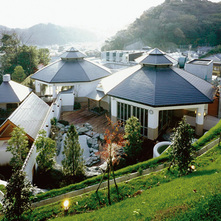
(79,117)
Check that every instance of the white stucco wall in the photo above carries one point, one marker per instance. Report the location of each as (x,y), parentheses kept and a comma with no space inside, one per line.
(67,101)
(202,71)
(83,89)
(5,157)
(30,161)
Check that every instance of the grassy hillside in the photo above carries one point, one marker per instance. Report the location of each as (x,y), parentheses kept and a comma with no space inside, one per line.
(193,197)
(173,23)
(158,196)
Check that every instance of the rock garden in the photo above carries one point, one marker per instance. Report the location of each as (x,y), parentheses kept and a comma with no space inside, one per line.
(89,140)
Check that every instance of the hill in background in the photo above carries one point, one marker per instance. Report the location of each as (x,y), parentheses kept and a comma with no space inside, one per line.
(50,34)
(173,23)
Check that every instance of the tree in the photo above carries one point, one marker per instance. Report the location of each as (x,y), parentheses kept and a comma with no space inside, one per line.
(47,152)
(17,197)
(18,146)
(114,139)
(133,139)
(27,57)
(16,54)
(44,56)
(18,74)
(10,44)
(181,151)
(73,163)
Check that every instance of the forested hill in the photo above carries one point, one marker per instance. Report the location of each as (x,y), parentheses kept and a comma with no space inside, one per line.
(173,23)
(49,34)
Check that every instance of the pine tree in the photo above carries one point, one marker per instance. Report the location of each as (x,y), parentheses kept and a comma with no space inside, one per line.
(47,152)
(73,163)
(17,197)
(18,146)
(19,74)
(134,139)
(181,151)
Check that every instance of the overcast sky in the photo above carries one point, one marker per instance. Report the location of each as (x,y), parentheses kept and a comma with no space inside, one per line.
(102,16)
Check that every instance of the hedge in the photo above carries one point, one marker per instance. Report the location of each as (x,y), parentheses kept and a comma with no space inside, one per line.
(94,180)
(212,134)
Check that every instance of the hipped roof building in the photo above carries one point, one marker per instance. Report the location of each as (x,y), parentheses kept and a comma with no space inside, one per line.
(155,85)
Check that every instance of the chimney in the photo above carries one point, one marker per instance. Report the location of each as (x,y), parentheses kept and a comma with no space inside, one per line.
(6,78)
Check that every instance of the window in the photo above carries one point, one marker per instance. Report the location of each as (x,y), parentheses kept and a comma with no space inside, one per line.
(125,111)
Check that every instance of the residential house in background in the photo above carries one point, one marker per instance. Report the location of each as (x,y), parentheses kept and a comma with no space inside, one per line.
(202,68)
(12,93)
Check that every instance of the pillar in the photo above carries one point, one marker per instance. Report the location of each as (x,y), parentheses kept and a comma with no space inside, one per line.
(37,87)
(117,56)
(113,110)
(111,56)
(54,92)
(153,123)
(199,121)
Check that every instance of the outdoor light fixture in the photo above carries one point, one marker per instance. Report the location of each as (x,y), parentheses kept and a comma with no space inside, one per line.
(199,114)
(66,205)
(46,125)
(151,111)
(52,110)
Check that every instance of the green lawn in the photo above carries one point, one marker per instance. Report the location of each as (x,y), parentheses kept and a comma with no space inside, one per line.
(168,201)
(156,196)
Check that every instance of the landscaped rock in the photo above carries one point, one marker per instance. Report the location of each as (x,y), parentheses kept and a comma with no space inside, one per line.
(92,160)
(101,137)
(59,125)
(82,130)
(91,150)
(92,142)
(93,171)
(88,126)
(96,147)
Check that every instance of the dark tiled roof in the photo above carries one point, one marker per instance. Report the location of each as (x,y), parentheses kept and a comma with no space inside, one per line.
(72,54)
(13,92)
(63,71)
(155,57)
(163,87)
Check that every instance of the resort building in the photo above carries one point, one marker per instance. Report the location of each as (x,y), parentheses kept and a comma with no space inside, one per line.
(30,116)
(72,71)
(12,93)
(156,92)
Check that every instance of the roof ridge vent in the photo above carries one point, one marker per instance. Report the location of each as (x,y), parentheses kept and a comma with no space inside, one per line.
(6,78)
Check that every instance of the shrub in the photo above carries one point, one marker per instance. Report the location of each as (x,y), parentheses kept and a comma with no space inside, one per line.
(95,180)
(64,122)
(54,121)
(3,189)
(213,133)
(77,106)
